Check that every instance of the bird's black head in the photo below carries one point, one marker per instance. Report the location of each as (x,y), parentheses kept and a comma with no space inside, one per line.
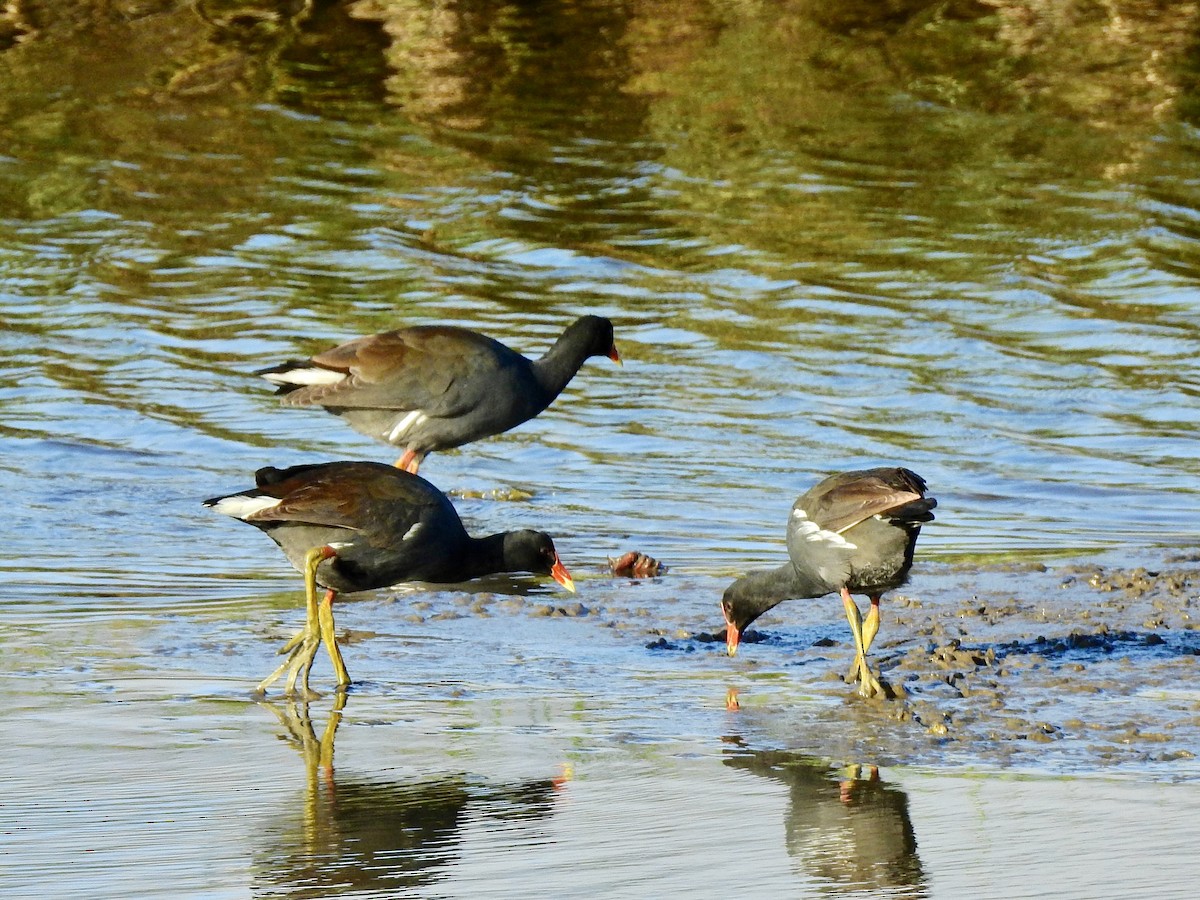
(533,551)
(596,333)
(745,600)
(738,617)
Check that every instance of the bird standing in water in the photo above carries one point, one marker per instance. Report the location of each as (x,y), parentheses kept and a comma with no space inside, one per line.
(430,388)
(854,532)
(356,526)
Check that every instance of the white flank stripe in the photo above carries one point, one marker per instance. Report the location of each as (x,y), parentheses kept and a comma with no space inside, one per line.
(412,532)
(305,376)
(239,505)
(416,417)
(811,531)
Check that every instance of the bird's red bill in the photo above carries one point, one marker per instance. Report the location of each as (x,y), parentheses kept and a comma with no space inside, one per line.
(732,637)
(614,355)
(560,574)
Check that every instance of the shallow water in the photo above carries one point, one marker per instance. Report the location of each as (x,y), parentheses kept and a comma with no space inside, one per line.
(958,237)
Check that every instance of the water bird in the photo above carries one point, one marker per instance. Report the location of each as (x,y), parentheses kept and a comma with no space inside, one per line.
(853,532)
(356,526)
(434,387)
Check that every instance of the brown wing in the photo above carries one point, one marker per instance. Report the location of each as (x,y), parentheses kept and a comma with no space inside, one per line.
(426,368)
(841,501)
(351,495)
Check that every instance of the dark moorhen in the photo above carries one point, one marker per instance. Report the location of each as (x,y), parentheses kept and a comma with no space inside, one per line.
(431,388)
(355,526)
(852,532)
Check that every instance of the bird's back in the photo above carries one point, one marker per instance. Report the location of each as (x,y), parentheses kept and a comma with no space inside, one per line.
(859,529)
(389,525)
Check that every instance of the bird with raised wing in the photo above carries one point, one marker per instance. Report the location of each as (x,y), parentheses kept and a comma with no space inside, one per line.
(854,532)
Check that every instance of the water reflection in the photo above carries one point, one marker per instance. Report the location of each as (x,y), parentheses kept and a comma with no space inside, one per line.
(844,827)
(355,834)
(485,65)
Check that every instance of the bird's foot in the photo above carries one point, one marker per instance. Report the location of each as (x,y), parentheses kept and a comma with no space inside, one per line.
(290,646)
(868,684)
(852,676)
(301,651)
(301,665)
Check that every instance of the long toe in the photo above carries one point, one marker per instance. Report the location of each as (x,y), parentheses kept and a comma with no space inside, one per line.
(296,641)
(870,687)
(300,648)
(868,683)
(293,650)
(301,664)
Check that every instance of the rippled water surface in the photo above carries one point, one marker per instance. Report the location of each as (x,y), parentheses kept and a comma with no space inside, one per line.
(963,236)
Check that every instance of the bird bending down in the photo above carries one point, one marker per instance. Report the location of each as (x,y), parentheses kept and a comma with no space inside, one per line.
(853,532)
(431,388)
(357,526)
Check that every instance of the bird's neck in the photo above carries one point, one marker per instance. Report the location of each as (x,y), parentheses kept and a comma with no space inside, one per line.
(763,589)
(484,556)
(561,362)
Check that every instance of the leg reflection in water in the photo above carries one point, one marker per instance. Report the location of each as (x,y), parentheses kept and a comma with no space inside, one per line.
(381,834)
(844,826)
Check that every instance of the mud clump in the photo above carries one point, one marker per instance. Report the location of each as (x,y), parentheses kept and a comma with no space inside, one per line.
(571,611)
(1135,583)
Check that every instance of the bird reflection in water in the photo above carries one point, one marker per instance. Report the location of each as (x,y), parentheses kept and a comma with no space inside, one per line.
(846,828)
(356,834)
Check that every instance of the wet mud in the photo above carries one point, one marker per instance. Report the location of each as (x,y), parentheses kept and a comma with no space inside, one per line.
(1076,666)
(1068,667)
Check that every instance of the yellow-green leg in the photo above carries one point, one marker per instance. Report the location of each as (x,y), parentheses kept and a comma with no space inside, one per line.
(869,685)
(870,628)
(302,649)
(303,644)
(325,615)
(871,624)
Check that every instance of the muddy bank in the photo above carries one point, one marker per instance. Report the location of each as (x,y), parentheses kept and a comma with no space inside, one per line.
(1063,667)
(1027,665)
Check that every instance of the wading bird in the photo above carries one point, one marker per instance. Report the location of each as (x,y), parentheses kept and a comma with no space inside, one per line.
(853,532)
(356,526)
(430,388)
